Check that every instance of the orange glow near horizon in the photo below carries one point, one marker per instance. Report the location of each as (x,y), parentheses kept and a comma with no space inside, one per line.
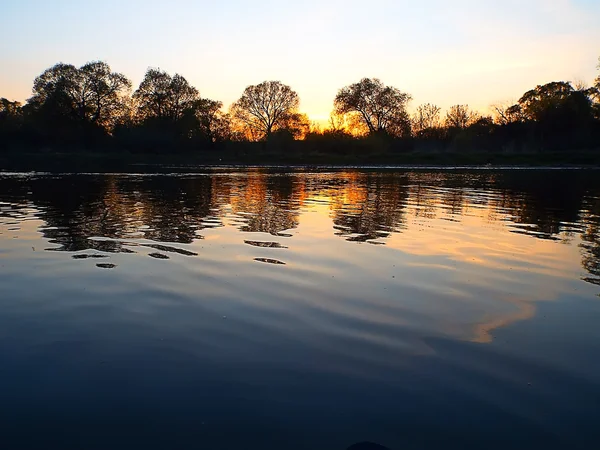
(478,54)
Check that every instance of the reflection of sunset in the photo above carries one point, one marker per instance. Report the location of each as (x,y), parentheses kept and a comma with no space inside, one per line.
(461,255)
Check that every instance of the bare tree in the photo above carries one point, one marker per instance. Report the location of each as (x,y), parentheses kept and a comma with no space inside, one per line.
(379,107)
(505,113)
(426,117)
(460,116)
(265,107)
(337,123)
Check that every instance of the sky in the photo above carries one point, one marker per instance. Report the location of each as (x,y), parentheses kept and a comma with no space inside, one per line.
(475,52)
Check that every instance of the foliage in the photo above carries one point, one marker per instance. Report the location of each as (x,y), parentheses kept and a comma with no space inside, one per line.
(161,96)
(92,94)
(92,108)
(264,108)
(426,120)
(460,117)
(379,107)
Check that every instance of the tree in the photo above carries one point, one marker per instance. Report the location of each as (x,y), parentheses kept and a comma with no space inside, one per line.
(92,94)
(598,78)
(482,125)
(505,114)
(460,117)
(57,85)
(539,103)
(170,112)
(212,123)
(163,97)
(9,109)
(265,107)
(337,123)
(558,115)
(11,115)
(107,91)
(297,124)
(380,108)
(426,117)
(558,105)
(597,95)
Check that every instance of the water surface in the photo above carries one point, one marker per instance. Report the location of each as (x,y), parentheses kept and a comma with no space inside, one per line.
(302,309)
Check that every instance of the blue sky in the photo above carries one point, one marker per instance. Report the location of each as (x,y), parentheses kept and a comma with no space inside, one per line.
(444,52)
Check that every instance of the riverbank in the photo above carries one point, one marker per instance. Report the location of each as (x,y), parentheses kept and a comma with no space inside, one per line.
(88,161)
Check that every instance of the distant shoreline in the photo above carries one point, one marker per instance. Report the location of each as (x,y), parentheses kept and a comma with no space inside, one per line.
(86,161)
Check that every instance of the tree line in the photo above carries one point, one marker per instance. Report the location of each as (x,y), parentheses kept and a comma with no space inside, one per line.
(92,108)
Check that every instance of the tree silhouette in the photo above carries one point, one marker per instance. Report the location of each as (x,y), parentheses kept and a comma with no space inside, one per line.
(212,123)
(537,104)
(92,94)
(426,117)
(559,113)
(379,107)
(596,95)
(265,107)
(106,92)
(296,124)
(9,109)
(92,108)
(337,123)
(169,113)
(161,96)
(505,114)
(460,117)
(11,121)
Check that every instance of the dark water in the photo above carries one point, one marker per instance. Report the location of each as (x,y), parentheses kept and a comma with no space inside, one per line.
(300,310)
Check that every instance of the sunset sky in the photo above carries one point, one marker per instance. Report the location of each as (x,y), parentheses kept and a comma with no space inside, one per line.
(463,51)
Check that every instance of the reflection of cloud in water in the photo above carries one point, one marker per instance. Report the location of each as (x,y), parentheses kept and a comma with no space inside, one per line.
(526,309)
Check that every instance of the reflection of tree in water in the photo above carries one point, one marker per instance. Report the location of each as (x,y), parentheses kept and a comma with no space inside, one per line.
(172,208)
(267,203)
(72,207)
(544,203)
(364,206)
(370,206)
(540,204)
(557,205)
(591,240)
(14,203)
(165,209)
(453,201)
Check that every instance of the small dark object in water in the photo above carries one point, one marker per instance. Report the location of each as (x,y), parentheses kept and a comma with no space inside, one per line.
(158,256)
(265,244)
(367,446)
(270,261)
(106,266)
(84,256)
(166,248)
